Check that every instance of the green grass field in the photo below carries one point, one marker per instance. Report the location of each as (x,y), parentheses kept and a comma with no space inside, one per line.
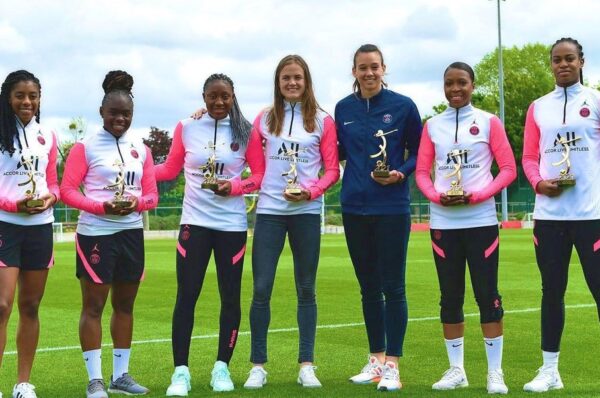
(341,348)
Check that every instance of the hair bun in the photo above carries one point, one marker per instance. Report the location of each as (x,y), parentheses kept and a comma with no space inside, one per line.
(117,80)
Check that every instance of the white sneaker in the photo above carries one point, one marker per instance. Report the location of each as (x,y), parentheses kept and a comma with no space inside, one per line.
(257,378)
(24,390)
(221,378)
(307,377)
(453,378)
(181,382)
(495,382)
(547,378)
(370,373)
(390,378)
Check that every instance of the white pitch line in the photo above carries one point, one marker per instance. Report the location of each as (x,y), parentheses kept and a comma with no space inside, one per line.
(295,329)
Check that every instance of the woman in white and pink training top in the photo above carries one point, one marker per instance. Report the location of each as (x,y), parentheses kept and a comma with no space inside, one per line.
(561,153)
(213,221)
(27,165)
(296,132)
(460,145)
(117,175)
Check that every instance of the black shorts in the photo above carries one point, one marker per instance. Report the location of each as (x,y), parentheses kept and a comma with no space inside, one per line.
(28,247)
(105,259)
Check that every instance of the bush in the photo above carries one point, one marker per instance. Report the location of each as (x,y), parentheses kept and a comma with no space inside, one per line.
(166,223)
(333,219)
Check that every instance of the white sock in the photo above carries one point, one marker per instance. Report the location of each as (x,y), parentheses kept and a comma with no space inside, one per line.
(456,352)
(120,362)
(93,363)
(550,359)
(493,350)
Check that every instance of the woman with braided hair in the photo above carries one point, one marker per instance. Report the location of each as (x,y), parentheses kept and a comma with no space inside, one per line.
(28,190)
(561,145)
(213,220)
(117,175)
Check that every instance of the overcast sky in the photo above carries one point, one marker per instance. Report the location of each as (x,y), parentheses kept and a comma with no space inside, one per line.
(171,47)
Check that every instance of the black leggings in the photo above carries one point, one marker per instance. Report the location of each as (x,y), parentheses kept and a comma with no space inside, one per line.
(452,250)
(554,241)
(194,249)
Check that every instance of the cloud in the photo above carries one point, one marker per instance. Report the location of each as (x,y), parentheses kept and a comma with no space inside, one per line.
(172,47)
(11,41)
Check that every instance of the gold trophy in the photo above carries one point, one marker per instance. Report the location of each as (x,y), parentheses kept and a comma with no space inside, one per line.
(120,200)
(210,168)
(292,187)
(382,169)
(456,188)
(565,179)
(28,163)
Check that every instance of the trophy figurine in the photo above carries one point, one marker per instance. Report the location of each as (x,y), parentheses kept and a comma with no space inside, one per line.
(456,188)
(292,187)
(382,169)
(565,179)
(120,200)
(209,169)
(28,164)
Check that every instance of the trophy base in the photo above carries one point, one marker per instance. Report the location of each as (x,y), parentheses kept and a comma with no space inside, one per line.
(293,191)
(122,203)
(34,203)
(455,192)
(210,185)
(381,173)
(565,182)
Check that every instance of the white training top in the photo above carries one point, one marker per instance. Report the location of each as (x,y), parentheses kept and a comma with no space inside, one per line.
(190,149)
(310,157)
(39,146)
(572,113)
(470,131)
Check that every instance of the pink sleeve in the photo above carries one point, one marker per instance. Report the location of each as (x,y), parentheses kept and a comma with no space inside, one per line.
(505,159)
(76,168)
(9,205)
(51,172)
(256,160)
(425,158)
(175,159)
(331,162)
(149,198)
(531,149)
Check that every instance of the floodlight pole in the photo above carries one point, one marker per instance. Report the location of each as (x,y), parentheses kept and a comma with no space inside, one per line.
(501,95)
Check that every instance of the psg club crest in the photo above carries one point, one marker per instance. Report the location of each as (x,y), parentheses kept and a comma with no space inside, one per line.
(185,234)
(474,130)
(387,118)
(135,154)
(584,111)
(437,234)
(41,138)
(234,146)
(95,256)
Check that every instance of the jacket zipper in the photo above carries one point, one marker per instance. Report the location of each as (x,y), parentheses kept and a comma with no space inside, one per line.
(565,108)
(293,105)
(456,129)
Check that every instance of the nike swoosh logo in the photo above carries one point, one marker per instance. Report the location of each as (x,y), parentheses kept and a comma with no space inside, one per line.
(490,344)
(347,123)
(456,345)
(118,355)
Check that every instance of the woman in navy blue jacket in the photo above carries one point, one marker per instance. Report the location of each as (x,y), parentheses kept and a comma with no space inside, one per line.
(376,212)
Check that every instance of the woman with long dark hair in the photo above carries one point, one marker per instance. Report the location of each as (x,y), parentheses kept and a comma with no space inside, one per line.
(220,143)
(28,190)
